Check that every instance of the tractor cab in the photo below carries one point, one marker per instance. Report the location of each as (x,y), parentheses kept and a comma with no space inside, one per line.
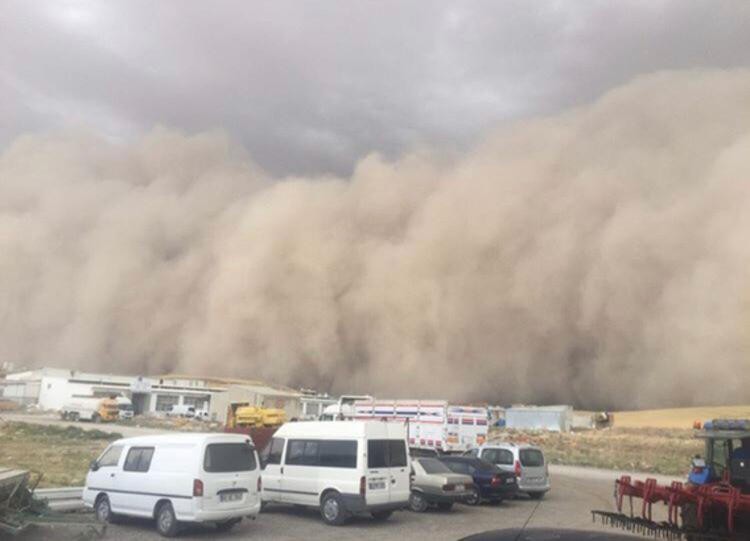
(727,454)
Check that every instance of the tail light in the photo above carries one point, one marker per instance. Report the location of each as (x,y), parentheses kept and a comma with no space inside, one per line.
(362,486)
(449,487)
(197,487)
(260,484)
(497,480)
(517,468)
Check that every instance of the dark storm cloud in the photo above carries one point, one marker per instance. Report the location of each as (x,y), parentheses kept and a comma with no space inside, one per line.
(312,86)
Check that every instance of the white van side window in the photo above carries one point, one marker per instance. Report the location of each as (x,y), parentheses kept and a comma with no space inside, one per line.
(110,457)
(138,459)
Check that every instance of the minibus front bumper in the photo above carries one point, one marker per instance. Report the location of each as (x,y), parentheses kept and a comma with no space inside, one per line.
(355,503)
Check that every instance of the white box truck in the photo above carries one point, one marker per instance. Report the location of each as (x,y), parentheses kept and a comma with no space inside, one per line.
(433,424)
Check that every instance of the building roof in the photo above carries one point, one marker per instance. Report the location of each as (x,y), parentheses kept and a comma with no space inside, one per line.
(226,382)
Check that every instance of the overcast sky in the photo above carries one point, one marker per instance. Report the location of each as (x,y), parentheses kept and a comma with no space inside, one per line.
(310,87)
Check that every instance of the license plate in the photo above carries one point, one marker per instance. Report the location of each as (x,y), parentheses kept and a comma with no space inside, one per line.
(376,485)
(460,488)
(230,496)
(510,480)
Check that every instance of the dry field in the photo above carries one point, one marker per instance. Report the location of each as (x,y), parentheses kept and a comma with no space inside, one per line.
(61,453)
(664,451)
(677,417)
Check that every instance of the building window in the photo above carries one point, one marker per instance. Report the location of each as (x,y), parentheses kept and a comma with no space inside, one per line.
(164,402)
(196,401)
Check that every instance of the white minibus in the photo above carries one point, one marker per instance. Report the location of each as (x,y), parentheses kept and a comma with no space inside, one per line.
(342,468)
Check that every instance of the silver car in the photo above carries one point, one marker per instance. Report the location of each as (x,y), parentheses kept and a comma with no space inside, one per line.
(526,461)
(433,483)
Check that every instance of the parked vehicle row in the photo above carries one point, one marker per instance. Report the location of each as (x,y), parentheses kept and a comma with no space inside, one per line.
(339,468)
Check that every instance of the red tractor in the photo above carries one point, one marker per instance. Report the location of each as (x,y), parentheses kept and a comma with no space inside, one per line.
(714,503)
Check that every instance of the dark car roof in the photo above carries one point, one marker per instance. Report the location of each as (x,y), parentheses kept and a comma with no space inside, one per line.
(546,534)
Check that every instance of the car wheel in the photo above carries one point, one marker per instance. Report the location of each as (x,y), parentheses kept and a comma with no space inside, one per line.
(332,509)
(73,416)
(536,495)
(417,502)
(473,498)
(381,515)
(96,418)
(227,525)
(445,506)
(102,509)
(166,521)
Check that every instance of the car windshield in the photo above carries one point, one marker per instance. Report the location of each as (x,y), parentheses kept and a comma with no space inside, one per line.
(531,457)
(433,465)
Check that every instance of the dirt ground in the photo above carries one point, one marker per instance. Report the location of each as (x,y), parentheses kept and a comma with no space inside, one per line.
(677,417)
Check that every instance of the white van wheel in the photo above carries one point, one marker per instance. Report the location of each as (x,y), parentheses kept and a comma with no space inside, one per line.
(166,522)
(103,510)
(332,509)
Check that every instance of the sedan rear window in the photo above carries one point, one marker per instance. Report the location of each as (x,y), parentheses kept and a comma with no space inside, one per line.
(229,457)
(532,458)
(433,465)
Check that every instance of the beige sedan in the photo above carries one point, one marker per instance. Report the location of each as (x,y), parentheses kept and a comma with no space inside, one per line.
(435,484)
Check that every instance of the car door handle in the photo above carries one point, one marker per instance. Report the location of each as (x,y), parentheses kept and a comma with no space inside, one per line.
(281,470)
(111,474)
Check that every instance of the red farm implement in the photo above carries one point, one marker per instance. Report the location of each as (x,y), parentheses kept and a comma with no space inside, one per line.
(713,504)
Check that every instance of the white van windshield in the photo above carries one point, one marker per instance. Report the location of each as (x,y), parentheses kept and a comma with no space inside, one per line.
(229,457)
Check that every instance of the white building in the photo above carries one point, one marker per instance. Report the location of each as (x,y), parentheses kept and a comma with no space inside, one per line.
(314,404)
(51,388)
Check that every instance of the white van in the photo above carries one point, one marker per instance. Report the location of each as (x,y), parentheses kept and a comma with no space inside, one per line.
(177,478)
(181,410)
(342,468)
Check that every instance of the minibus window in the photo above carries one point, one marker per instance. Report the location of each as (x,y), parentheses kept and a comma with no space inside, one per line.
(397,453)
(272,452)
(338,453)
(229,457)
(302,453)
(138,459)
(386,454)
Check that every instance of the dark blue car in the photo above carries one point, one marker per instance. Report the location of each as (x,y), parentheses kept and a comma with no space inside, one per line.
(490,482)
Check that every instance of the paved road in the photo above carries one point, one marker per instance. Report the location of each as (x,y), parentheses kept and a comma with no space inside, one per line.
(567,506)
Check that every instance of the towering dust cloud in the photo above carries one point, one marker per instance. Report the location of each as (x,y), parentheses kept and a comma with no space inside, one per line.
(601,256)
